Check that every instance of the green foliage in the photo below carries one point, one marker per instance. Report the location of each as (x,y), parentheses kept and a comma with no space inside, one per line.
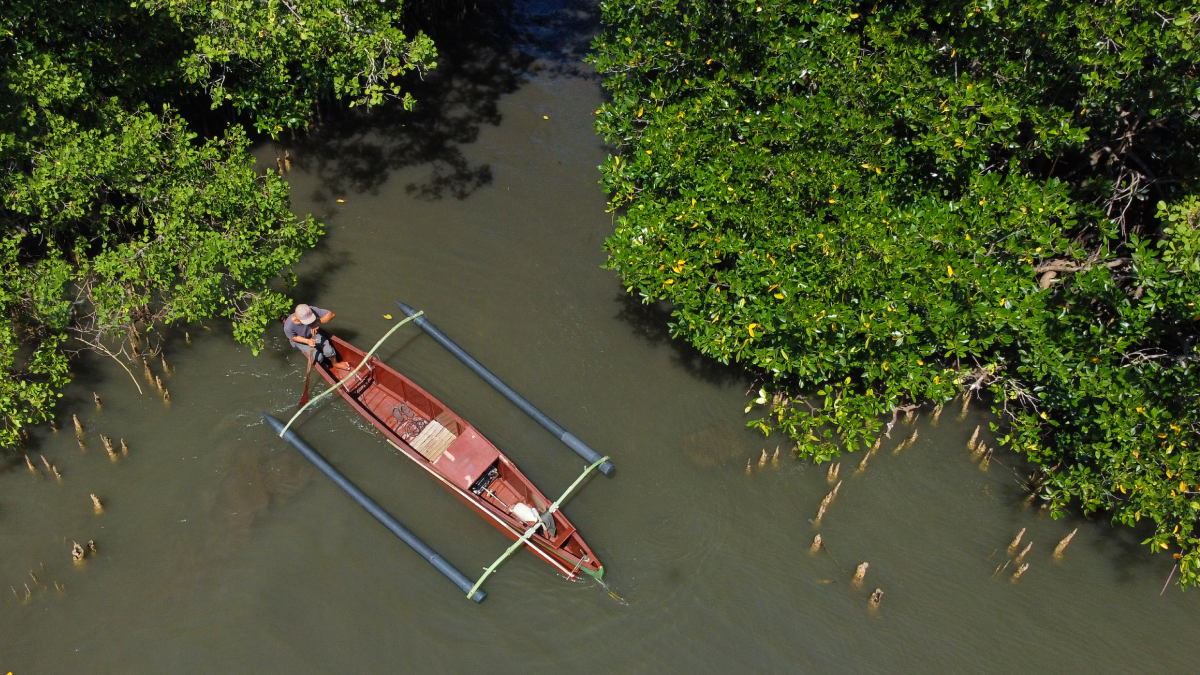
(888,205)
(115,215)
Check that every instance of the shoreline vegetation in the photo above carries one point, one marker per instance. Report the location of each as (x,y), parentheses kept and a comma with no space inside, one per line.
(875,207)
(128,196)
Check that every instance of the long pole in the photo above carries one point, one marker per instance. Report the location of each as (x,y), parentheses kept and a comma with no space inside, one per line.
(376,510)
(582,449)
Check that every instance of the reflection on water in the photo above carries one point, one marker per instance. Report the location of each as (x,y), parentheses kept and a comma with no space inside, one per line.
(220,550)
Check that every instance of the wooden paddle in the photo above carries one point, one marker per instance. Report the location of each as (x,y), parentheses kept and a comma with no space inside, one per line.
(307,373)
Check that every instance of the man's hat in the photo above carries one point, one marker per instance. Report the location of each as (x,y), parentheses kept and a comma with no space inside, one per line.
(305,314)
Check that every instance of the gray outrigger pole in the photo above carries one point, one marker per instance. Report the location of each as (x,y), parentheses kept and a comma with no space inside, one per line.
(582,449)
(376,510)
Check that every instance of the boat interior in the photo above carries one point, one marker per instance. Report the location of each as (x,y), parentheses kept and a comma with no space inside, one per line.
(456,450)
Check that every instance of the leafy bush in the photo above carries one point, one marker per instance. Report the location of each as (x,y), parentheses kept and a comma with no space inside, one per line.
(885,205)
(116,216)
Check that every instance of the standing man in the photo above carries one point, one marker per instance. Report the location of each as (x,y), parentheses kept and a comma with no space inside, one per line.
(303,330)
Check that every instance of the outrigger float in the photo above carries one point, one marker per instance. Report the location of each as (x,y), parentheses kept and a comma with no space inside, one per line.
(460,458)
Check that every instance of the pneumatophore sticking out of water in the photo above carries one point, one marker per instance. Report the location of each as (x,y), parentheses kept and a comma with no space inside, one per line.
(878,442)
(108,446)
(187,337)
(833,472)
(124,448)
(749,470)
(78,426)
(1062,545)
(1012,548)
(937,412)
(906,442)
(53,425)
(876,597)
(29,463)
(974,442)
(816,545)
(96,397)
(1024,551)
(1020,570)
(762,461)
(77,553)
(775,458)
(166,370)
(987,459)
(860,574)
(96,505)
(862,466)
(146,372)
(966,406)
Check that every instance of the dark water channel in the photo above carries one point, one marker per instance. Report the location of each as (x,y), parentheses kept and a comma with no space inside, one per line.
(222,551)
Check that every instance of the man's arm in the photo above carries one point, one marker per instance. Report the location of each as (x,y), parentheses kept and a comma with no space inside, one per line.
(327,317)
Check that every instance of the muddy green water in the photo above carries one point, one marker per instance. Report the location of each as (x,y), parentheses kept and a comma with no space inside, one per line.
(222,551)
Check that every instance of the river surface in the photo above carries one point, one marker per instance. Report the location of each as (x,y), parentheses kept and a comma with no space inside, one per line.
(221,550)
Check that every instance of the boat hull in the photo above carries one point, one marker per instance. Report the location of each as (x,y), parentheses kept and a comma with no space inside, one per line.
(461,459)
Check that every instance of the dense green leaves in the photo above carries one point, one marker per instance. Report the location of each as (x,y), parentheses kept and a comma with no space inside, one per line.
(115,215)
(892,204)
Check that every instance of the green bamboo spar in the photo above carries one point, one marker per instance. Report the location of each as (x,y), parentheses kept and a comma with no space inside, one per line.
(356,369)
(487,572)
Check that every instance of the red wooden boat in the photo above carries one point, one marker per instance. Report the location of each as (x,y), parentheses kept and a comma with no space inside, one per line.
(461,459)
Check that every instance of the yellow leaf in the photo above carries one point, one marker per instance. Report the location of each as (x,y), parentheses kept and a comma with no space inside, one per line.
(750,328)
(949,271)
(341,201)
(779,296)
(1182,486)
(641,111)
(387,316)
(545,117)
(853,16)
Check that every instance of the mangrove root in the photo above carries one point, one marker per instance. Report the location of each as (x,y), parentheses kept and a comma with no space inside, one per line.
(78,426)
(833,472)
(1012,548)
(775,458)
(96,505)
(92,546)
(937,412)
(77,553)
(1062,545)
(124,449)
(28,463)
(1021,555)
(877,597)
(1020,570)
(816,545)
(862,466)
(974,442)
(97,399)
(860,574)
(762,461)
(748,469)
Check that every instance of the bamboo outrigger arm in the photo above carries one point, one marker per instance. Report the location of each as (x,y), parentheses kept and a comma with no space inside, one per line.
(458,578)
(582,449)
(487,572)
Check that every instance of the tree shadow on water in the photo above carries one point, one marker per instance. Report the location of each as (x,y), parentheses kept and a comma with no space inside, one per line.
(649,322)
(484,53)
